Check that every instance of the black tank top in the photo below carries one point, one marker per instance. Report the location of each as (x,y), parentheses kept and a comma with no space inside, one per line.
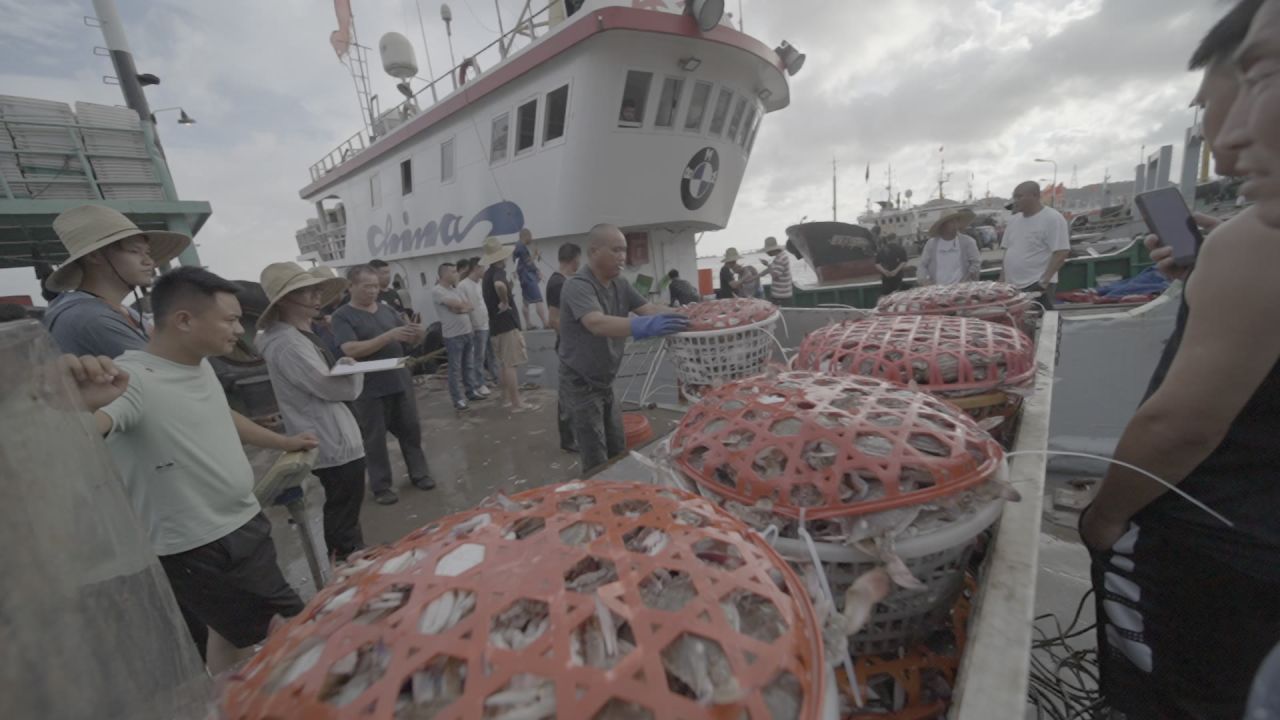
(1240,479)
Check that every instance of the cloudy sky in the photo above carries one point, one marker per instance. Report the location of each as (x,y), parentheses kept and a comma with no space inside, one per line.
(996,82)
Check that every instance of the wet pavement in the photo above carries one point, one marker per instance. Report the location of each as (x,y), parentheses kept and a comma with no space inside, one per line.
(472,454)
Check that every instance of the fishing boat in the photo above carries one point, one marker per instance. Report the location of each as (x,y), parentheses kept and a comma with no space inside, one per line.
(668,96)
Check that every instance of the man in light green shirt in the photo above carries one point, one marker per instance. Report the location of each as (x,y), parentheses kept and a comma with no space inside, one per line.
(177,444)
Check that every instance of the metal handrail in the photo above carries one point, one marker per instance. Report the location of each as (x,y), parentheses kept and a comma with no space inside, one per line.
(357,143)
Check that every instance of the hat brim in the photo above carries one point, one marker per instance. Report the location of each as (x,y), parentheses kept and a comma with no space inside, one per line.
(964,217)
(503,254)
(330,288)
(772,251)
(165,246)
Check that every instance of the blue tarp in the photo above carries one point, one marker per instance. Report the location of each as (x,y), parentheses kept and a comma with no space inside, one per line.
(1147,282)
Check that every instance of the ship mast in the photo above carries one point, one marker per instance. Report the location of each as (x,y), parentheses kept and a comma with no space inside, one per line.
(943,176)
(833,189)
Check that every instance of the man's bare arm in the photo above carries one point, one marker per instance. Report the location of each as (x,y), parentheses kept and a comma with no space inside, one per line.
(553,318)
(1055,264)
(1223,358)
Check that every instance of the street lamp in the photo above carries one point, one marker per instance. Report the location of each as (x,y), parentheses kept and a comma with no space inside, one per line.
(1053,195)
(183,117)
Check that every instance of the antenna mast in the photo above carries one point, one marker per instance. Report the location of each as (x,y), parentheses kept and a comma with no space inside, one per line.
(943,177)
(833,189)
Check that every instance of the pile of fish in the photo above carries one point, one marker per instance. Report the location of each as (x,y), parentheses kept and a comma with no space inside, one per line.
(593,582)
(995,301)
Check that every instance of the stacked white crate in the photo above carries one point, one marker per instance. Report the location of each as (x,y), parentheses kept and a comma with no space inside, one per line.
(119,177)
(51,151)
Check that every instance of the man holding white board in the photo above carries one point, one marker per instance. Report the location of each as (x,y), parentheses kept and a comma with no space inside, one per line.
(369,330)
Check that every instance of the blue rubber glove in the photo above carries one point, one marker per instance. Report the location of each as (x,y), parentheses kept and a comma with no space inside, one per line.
(647,326)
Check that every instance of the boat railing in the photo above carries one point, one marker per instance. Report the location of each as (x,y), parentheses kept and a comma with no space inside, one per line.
(528,26)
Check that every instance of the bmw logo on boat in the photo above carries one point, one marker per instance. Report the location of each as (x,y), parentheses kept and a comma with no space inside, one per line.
(699,178)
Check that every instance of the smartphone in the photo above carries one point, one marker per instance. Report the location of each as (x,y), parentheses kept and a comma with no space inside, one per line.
(1166,215)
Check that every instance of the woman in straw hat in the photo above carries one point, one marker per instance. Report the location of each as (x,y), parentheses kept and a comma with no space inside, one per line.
(108,257)
(310,399)
(950,256)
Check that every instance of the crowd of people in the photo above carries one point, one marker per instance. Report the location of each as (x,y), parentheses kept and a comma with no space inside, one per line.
(1187,604)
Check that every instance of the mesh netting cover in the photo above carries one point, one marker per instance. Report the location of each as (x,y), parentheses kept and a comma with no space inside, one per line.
(831,445)
(727,313)
(941,354)
(582,600)
(994,301)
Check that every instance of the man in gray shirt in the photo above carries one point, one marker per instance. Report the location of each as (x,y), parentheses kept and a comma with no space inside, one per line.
(370,330)
(455,325)
(594,325)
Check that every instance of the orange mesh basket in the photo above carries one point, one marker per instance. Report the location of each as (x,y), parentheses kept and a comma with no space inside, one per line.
(726,313)
(948,355)
(504,609)
(831,446)
(965,360)
(995,301)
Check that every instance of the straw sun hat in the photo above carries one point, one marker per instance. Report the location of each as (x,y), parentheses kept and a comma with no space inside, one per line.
(280,279)
(962,218)
(87,228)
(495,251)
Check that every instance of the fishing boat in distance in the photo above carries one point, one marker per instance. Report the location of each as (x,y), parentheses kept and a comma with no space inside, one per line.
(837,252)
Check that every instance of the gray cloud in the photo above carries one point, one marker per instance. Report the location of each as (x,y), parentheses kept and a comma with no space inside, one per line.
(996,81)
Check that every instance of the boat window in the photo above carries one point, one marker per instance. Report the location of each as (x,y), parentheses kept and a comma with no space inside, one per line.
(697,106)
(446,160)
(634,95)
(526,125)
(738,110)
(406,177)
(722,110)
(500,138)
(557,108)
(669,102)
(751,141)
(747,123)
(375,190)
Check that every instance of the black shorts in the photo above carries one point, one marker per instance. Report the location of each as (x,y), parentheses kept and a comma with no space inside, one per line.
(232,585)
(1180,633)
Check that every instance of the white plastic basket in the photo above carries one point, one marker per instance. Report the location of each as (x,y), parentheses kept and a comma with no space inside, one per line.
(706,359)
(938,559)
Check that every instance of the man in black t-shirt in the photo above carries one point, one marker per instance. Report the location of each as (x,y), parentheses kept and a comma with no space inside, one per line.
(504,321)
(891,262)
(682,291)
(570,257)
(387,294)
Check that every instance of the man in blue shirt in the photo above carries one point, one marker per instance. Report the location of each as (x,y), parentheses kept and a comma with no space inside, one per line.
(529,276)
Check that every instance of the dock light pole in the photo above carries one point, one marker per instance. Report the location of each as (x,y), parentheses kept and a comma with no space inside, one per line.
(1054,195)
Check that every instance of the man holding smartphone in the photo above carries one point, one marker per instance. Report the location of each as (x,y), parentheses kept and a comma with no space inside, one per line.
(1036,243)
(367,329)
(1187,603)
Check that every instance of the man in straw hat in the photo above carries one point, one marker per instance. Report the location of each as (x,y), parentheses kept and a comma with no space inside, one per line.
(1036,244)
(504,321)
(778,267)
(736,279)
(179,448)
(311,400)
(950,256)
(108,258)
(370,330)
(595,306)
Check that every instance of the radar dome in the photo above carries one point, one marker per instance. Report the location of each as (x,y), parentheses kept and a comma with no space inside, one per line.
(397,56)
